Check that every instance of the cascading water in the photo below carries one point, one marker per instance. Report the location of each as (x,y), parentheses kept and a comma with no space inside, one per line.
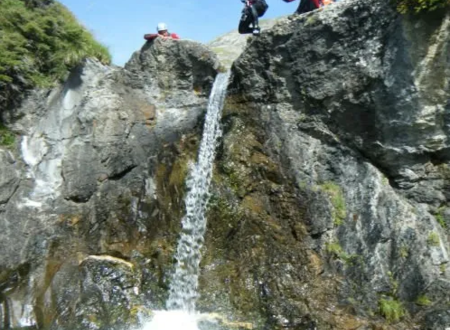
(184,284)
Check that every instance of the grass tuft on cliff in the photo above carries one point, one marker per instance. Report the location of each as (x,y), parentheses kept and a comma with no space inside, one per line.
(7,138)
(418,6)
(40,41)
(392,310)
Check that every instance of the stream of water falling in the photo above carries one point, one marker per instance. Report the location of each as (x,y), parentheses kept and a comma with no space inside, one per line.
(184,284)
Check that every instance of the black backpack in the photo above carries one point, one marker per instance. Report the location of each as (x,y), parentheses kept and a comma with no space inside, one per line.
(261,7)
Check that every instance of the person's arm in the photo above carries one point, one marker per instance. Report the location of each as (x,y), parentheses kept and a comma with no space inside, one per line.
(175,36)
(150,36)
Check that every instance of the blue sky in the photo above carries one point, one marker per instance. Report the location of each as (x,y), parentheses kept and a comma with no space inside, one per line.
(121,24)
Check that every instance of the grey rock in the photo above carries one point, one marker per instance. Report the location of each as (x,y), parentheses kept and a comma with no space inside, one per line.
(348,95)
(88,150)
(175,65)
(9,176)
(109,293)
(438,319)
(230,46)
(331,188)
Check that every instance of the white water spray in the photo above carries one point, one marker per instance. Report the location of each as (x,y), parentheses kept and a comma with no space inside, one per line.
(184,284)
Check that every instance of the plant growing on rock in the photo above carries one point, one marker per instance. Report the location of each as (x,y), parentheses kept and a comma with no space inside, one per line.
(433,239)
(337,200)
(417,6)
(391,309)
(404,252)
(335,249)
(7,138)
(423,301)
(40,42)
(440,218)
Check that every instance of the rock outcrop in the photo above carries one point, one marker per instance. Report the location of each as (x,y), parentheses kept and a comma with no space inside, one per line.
(330,200)
(229,46)
(82,184)
(337,157)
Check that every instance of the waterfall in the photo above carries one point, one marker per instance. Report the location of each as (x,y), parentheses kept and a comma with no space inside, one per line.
(184,284)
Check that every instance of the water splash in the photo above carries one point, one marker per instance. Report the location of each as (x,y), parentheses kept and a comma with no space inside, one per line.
(172,320)
(184,285)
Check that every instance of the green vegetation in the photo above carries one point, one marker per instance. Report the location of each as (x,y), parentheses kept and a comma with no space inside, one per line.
(394,284)
(423,301)
(7,138)
(404,252)
(440,218)
(335,249)
(417,6)
(433,239)
(392,310)
(338,201)
(40,41)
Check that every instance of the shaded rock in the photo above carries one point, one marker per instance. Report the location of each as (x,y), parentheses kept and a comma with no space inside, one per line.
(109,294)
(438,319)
(9,176)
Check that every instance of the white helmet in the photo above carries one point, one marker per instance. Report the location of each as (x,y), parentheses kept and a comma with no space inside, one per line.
(161,27)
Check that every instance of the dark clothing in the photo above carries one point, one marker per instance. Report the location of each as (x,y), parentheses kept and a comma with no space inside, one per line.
(250,16)
(260,6)
(249,20)
(307,6)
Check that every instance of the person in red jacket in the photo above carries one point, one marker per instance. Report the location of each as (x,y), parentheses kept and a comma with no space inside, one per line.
(163,32)
(310,5)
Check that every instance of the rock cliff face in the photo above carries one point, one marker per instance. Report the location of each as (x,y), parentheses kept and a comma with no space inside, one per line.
(329,206)
(78,193)
(350,104)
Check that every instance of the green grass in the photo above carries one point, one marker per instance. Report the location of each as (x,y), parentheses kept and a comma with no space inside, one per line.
(7,138)
(394,284)
(433,239)
(391,309)
(335,249)
(404,252)
(423,301)
(440,219)
(337,200)
(418,6)
(40,41)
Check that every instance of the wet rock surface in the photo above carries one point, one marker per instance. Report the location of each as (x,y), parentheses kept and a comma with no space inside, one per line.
(329,205)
